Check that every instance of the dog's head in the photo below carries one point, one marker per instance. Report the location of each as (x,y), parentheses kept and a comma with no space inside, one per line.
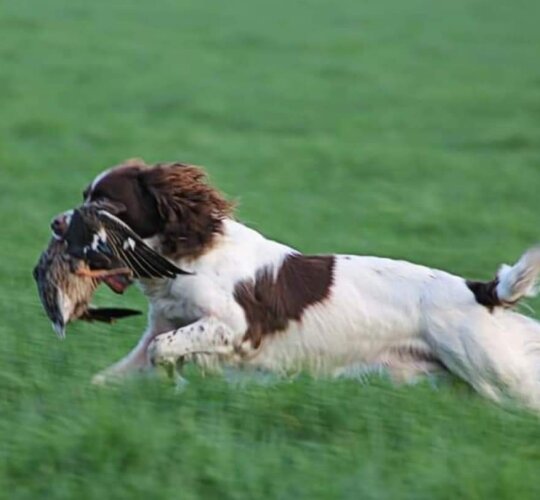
(170,201)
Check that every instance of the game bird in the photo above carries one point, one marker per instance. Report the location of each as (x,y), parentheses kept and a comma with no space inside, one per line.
(90,247)
(65,291)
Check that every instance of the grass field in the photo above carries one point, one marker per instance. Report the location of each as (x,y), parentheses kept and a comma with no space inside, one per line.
(404,129)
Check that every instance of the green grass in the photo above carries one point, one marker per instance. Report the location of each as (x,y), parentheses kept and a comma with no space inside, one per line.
(406,129)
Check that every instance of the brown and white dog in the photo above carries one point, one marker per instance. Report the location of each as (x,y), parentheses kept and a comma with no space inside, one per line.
(253,302)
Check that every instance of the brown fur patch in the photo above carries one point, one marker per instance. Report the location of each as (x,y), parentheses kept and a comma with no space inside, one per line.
(485,293)
(122,193)
(191,210)
(271,302)
(172,201)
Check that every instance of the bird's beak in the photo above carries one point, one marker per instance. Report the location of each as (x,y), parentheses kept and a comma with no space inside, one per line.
(60,224)
(60,330)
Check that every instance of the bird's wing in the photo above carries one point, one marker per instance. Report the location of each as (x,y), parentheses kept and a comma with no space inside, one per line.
(108,314)
(130,248)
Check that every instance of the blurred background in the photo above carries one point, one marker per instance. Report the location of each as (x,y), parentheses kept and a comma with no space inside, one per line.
(401,129)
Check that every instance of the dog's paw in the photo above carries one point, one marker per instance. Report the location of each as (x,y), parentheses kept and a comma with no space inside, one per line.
(100,379)
(108,377)
(162,351)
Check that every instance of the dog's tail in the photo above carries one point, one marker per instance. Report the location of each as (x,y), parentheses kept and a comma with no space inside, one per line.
(512,282)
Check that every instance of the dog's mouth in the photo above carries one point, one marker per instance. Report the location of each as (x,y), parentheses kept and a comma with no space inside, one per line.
(118,282)
(117,279)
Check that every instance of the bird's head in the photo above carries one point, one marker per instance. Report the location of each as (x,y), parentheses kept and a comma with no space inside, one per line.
(60,224)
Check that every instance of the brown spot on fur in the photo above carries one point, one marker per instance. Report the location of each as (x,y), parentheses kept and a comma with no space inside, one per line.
(172,201)
(191,211)
(270,301)
(122,193)
(485,293)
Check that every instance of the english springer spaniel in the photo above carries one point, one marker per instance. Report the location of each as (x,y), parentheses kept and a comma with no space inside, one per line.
(253,302)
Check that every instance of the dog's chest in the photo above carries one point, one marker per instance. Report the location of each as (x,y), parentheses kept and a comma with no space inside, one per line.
(176,300)
(186,299)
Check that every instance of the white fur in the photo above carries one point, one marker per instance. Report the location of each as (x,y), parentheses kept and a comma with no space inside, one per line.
(97,180)
(520,280)
(377,309)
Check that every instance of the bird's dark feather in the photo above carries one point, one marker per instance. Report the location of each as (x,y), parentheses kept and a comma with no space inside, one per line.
(138,256)
(105,242)
(108,314)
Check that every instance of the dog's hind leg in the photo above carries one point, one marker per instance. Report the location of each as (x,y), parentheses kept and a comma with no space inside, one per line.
(399,373)
(473,332)
(497,353)
(405,363)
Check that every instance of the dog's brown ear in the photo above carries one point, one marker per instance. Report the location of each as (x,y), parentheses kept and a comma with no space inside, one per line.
(191,211)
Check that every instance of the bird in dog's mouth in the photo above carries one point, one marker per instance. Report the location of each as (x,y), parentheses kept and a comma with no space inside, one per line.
(90,247)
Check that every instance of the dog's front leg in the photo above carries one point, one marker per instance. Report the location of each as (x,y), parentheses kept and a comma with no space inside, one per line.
(206,336)
(137,359)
